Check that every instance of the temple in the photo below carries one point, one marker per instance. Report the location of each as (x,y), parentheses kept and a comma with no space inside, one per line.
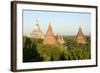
(60,40)
(37,33)
(80,38)
(50,37)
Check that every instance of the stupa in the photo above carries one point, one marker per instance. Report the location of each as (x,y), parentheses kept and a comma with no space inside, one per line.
(80,38)
(37,33)
(50,37)
(60,40)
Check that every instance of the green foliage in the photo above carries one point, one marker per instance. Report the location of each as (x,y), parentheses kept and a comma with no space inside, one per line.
(37,41)
(38,51)
(49,52)
(30,53)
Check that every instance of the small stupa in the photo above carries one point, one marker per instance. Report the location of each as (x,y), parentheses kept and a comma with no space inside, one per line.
(60,40)
(50,37)
(80,38)
(37,33)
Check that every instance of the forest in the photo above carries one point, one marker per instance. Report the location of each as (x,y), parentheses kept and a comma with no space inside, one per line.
(36,51)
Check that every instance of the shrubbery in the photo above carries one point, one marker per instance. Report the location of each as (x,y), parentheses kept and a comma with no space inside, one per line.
(37,51)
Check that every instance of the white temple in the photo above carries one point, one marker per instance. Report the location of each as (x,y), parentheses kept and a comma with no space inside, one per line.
(37,33)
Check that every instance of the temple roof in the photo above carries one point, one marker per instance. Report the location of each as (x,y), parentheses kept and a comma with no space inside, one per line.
(50,37)
(80,38)
(37,33)
(80,33)
(49,31)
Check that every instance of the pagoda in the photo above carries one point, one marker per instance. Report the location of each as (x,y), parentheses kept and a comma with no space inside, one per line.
(37,33)
(50,37)
(60,40)
(80,38)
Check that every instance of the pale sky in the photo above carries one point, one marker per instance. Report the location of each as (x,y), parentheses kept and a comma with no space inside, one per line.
(63,23)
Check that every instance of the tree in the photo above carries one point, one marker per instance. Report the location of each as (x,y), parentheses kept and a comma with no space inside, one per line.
(30,53)
(62,57)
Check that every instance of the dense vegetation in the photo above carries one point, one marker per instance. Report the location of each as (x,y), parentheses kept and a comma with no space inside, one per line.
(36,51)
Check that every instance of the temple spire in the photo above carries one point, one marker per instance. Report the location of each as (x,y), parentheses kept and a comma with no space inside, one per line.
(80,31)
(60,40)
(80,38)
(37,21)
(50,31)
(37,33)
(50,37)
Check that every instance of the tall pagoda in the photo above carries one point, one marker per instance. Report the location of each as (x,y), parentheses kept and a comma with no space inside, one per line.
(50,37)
(37,33)
(80,38)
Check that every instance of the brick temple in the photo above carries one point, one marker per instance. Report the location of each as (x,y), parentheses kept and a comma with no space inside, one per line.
(50,37)
(80,38)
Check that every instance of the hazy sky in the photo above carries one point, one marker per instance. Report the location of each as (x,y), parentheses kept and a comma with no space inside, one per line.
(63,23)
